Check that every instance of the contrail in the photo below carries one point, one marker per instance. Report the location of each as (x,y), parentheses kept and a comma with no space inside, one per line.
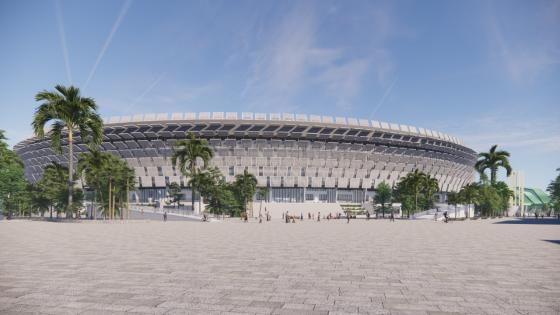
(62,35)
(387,92)
(139,98)
(124,9)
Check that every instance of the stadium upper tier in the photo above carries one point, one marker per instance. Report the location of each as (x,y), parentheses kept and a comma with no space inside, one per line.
(281,150)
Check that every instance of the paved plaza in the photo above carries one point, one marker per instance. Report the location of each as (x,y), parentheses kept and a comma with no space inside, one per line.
(375,267)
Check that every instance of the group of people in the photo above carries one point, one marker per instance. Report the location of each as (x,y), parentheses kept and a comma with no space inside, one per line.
(266,214)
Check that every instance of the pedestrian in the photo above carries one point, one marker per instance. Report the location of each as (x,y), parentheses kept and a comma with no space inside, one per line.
(392,217)
(301,216)
(287,217)
(260,217)
(319,216)
(165,216)
(347,217)
(435,216)
(445,216)
(308,216)
(367,215)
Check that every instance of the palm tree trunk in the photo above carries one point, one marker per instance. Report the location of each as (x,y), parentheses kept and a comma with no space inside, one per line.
(109,203)
(70,172)
(493,173)
(192,198)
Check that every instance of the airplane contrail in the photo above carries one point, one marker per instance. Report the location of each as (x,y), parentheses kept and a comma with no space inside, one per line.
(146,91)
(62,36)
(124,9)
(382,100)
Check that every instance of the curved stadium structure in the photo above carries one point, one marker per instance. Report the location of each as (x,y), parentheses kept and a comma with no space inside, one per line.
(301,158)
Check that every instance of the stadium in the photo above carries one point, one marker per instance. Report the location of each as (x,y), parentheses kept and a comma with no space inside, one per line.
(299,158)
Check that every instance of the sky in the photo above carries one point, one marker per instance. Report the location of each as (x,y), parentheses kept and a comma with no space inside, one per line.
(485,71)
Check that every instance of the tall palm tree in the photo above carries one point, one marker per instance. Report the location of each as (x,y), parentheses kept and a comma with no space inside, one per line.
(69,112)
(246,185)
(493,160)
(186,154)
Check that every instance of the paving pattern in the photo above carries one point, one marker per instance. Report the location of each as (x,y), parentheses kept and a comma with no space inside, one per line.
(373,267)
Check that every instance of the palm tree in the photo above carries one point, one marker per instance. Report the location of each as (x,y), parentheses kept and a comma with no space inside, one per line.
(69,111)
(205,181)
(493,160)
(431,187)
(469,194)
(246,185)
(186,155)
(91,166)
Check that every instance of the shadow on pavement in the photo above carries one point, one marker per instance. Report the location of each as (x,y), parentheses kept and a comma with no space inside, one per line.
(546,221)
(557,242)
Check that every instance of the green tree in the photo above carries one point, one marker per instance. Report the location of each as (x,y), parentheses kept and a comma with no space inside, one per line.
(489,200)
(470,195)
(175,193)
(222,199)
(262,193)
(69,112)
(431,187)
(245,185)
(454,198)
(206,181)
(554,190)
(14,193)
(53,186)
(493,160)
(505,195)
(92,165)
(186,154)
(383,195)
(111,178)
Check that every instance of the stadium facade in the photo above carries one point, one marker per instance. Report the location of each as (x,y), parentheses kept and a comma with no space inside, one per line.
(300,158)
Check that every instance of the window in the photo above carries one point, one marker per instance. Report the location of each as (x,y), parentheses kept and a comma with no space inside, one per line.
(302,171)
(230,171)
(289,171)
(260,171)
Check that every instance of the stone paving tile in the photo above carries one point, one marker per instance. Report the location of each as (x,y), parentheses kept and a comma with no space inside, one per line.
(374,267)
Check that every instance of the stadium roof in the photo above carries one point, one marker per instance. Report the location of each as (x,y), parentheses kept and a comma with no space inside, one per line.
(535,197)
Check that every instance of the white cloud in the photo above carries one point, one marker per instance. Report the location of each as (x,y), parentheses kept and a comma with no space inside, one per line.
(538,135)
(524,58)
(293,60)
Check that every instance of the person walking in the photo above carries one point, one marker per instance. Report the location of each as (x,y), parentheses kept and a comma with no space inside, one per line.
(260,217)
(319,216)
(392,217)
(367,215)
(287,217)
(347,217)
(165,216)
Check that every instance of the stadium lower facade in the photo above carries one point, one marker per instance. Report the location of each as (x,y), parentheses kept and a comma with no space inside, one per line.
(300,158)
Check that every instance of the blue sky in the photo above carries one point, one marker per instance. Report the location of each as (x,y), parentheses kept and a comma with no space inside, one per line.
(485,71)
